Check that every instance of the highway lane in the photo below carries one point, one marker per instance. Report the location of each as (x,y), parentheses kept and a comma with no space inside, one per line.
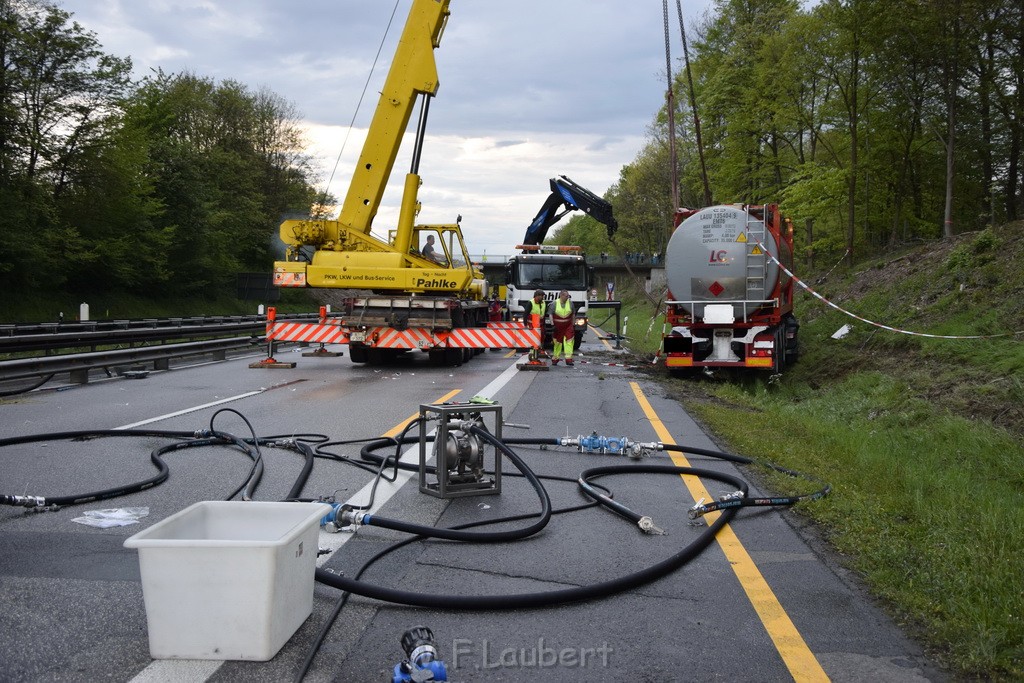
(74,599)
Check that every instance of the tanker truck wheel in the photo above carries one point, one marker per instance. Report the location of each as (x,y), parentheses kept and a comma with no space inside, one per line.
(779,352)
(792,342)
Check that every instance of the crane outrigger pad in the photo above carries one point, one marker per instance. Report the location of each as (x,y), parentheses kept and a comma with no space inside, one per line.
(535,361)
(272,363)
(322,353)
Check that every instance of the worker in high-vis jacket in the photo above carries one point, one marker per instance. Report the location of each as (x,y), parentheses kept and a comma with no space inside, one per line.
(535,310)
(563,313)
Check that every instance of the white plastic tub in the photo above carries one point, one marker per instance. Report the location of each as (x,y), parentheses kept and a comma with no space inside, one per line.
(228,579)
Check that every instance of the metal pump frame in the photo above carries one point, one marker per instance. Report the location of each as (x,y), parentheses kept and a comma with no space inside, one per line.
(450,418)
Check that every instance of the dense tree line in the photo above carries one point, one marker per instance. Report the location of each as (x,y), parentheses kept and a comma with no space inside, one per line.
(168,185)
(872,122)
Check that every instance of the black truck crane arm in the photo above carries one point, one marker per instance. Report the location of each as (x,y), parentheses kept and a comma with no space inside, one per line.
(565,192)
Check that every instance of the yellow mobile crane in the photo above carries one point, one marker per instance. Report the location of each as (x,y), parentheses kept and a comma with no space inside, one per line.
(422,283)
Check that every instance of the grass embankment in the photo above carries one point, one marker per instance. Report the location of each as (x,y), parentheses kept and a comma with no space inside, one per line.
(919,437)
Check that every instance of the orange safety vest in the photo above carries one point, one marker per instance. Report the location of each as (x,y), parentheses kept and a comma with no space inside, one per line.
(536,312)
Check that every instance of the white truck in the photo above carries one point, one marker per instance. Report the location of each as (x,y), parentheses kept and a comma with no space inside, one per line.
(554,268)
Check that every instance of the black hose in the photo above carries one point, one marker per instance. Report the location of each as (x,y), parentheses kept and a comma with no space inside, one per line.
(549,598)
(321,452)
(343,600)
(189,440)
(533,441)
(307,468)
(604,499)
(621,509)
(44,501)
(384,463)
(744,501)
(489,537)
(250,448)
(25,390)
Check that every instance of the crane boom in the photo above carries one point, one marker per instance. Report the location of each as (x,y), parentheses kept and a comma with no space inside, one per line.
(413,73)
(565,193)
(345,253)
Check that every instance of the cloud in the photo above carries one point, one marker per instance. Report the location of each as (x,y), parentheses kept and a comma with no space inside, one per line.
(528,90)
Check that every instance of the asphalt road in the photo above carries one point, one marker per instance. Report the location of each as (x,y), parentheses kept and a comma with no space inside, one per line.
(764,602)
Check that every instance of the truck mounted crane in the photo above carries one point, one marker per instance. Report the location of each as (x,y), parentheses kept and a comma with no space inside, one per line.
(554,268)
(407,299)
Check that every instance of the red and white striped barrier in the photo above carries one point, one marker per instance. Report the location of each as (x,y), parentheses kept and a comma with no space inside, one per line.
(500,335)
(317,333)
(514,337)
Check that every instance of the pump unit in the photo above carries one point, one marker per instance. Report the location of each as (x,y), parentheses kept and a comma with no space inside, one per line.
(460,454)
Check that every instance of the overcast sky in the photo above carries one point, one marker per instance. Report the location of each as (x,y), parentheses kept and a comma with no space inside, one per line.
(529,89)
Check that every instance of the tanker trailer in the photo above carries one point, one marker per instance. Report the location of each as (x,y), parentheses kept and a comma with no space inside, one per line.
(729,303)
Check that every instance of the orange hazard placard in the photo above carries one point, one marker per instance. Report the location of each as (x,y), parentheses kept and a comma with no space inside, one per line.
(289,279)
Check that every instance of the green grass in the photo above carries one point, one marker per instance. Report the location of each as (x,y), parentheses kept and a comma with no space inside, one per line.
(919,437)
(643,328)
(929,507)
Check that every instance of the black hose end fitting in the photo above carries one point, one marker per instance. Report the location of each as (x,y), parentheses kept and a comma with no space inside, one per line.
(24,501)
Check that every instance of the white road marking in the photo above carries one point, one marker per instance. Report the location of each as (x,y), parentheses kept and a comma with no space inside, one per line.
(193,409)
(171,671)
(387,489)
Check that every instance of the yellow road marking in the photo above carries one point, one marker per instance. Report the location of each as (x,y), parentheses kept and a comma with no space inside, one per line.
(799,659)
(602,339)
(397,429)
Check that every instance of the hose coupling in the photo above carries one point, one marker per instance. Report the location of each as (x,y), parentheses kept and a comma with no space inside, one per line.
(637,450)
(340,518)
(350,517)
(698,510)
(646,525)
(24,501)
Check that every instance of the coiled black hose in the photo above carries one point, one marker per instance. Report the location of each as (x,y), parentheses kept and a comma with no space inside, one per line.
(114,492)
(457,535)
(549,598)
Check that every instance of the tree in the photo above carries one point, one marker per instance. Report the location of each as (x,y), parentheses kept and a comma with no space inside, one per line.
(58,91)
(226,163)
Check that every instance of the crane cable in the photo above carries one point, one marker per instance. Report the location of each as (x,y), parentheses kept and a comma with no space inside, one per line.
(693,105)
(359,104)
(670,107)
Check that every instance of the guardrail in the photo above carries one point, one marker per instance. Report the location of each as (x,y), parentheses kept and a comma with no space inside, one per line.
(79,364)
(149,341)
(50,337)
